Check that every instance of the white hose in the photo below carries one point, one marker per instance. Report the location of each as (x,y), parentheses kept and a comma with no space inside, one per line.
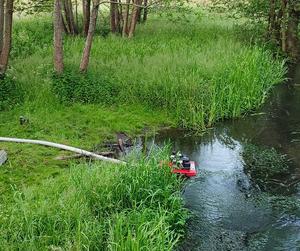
(63,147)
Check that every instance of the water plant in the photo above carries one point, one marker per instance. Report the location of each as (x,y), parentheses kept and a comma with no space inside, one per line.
(265,165)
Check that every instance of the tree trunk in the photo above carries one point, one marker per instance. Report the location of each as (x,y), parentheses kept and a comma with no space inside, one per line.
(118,17)
(72,19)
(7,36)
(88,44)
(145,11)
(86,15)
(125,19)
(271,21)
(58,39)
(284,25)
(113,26)
(292,39)
(64,25)
(134,16)
(68,9)
(1,23)
(76,15)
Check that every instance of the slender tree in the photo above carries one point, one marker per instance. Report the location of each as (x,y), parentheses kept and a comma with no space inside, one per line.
(8,21)
(125,19)
(145,15)
(88,44)
(58,39)
(86,5)
(1,23)
(113,25)
(134,18)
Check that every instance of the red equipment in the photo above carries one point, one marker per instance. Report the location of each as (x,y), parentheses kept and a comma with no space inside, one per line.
(191,172)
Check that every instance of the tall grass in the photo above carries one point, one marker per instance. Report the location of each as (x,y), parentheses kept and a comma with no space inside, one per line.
(197,85)
(98,207)
(199,73)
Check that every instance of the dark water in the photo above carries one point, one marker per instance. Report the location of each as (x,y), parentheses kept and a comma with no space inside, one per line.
(229,212)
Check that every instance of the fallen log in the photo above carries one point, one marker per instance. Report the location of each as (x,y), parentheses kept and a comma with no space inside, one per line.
(63,147)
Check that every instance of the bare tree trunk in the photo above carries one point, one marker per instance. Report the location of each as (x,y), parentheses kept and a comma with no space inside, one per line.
(68,9)
(1,23)
(113,8)
(118,17)
(134,17)
(125,19)
(64,25)
(76,15)
(86,15)
(7,36)
(72,19)
(88,44)
(292,40)
(271,21)
(283,25)
(145,16)
(58,39)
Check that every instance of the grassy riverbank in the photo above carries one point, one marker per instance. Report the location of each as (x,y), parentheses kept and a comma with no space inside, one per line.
(98,207)
(189,75)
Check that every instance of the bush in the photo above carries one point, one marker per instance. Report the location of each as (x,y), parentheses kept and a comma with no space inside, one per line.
(73,87)
(10,94)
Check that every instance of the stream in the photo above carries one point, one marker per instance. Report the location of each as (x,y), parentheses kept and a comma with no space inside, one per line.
(228,211)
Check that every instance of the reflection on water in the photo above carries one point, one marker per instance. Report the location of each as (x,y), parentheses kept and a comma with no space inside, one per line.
(229,212)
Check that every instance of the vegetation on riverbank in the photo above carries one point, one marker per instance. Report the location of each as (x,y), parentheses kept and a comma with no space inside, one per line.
(166,75)
(98,207)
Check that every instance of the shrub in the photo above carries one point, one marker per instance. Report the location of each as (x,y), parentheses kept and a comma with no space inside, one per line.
(73,87)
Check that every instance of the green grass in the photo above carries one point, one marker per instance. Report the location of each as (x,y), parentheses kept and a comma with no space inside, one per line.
(98,207)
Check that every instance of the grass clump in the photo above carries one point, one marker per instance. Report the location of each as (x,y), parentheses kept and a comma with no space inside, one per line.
(98,207)
(72,87)
(265,164)
(11,95)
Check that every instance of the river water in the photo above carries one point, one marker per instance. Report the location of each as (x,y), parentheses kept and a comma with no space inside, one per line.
(229,212)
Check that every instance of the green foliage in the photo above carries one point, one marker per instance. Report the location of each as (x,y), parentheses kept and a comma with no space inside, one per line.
(11,94)
(33,6)
(85,88)
(264,164)
(31,36)
(98,207)
(194,78)
(256,10)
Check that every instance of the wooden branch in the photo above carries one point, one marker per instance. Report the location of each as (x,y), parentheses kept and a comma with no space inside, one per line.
(63,147)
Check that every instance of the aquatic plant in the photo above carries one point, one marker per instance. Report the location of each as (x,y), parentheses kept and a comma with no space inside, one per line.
(265,164)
